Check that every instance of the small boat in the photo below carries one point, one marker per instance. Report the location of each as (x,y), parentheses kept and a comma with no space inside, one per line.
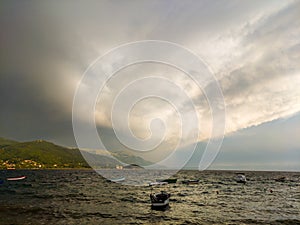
(160,200)
(169,180)
(157,183)
(16,178)
(280,179)
(190,181)
(121,179)
(241,178)
(119,167)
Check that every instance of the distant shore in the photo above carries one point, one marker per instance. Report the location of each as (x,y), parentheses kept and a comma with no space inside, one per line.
(212,170)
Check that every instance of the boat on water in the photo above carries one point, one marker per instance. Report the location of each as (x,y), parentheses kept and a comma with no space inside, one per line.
(157,183)
(190,181)
(241,178)
(169,180)
(160,200)
(119,167)
(16,178)
(280,179)
(120,179)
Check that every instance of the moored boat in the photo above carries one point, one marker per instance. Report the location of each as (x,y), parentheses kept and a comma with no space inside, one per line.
(16,178)
(157,183)
(169,180)
(160,200)
(190,181)
(121,179)
(280,179)
(241,178)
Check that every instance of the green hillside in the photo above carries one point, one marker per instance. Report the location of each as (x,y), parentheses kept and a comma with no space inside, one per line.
(40,154)
(6,142)
(43,154)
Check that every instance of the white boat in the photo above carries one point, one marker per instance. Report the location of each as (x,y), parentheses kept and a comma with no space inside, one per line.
(119,167)
(241,178)
(160,200)
(121,179)
(157,183)
(16,178)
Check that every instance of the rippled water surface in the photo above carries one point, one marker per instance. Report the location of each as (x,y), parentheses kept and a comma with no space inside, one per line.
(84,197)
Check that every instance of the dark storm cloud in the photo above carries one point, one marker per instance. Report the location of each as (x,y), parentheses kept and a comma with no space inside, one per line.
(39,70)
(25,115)
(45,47)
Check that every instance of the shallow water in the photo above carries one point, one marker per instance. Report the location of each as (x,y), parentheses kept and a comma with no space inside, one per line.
(84,197)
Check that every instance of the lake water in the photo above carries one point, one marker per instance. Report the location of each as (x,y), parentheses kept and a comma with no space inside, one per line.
(84,197)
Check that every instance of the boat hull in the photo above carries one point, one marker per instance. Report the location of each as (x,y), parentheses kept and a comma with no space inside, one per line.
(190,181)
(241,181)
(16,178)
(169,181)
(160,205)
(117,180)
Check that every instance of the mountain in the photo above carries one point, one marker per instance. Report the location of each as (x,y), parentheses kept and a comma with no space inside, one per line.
(133,166)
(43,154)
(128,158)
(6,142)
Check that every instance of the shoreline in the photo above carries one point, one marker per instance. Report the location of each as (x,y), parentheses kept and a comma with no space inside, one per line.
(234,171)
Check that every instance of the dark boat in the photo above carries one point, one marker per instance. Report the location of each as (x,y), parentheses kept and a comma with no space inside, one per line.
(169,180)
(190,181)
(160,200)
(280,179)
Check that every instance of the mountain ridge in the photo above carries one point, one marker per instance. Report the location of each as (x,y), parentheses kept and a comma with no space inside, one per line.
(40,154)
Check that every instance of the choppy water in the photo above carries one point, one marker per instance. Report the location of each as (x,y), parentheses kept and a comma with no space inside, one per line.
(84,197)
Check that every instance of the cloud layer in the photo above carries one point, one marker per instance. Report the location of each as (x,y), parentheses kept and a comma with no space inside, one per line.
(253,48)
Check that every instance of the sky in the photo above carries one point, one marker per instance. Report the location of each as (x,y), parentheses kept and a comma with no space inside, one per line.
(252,48)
